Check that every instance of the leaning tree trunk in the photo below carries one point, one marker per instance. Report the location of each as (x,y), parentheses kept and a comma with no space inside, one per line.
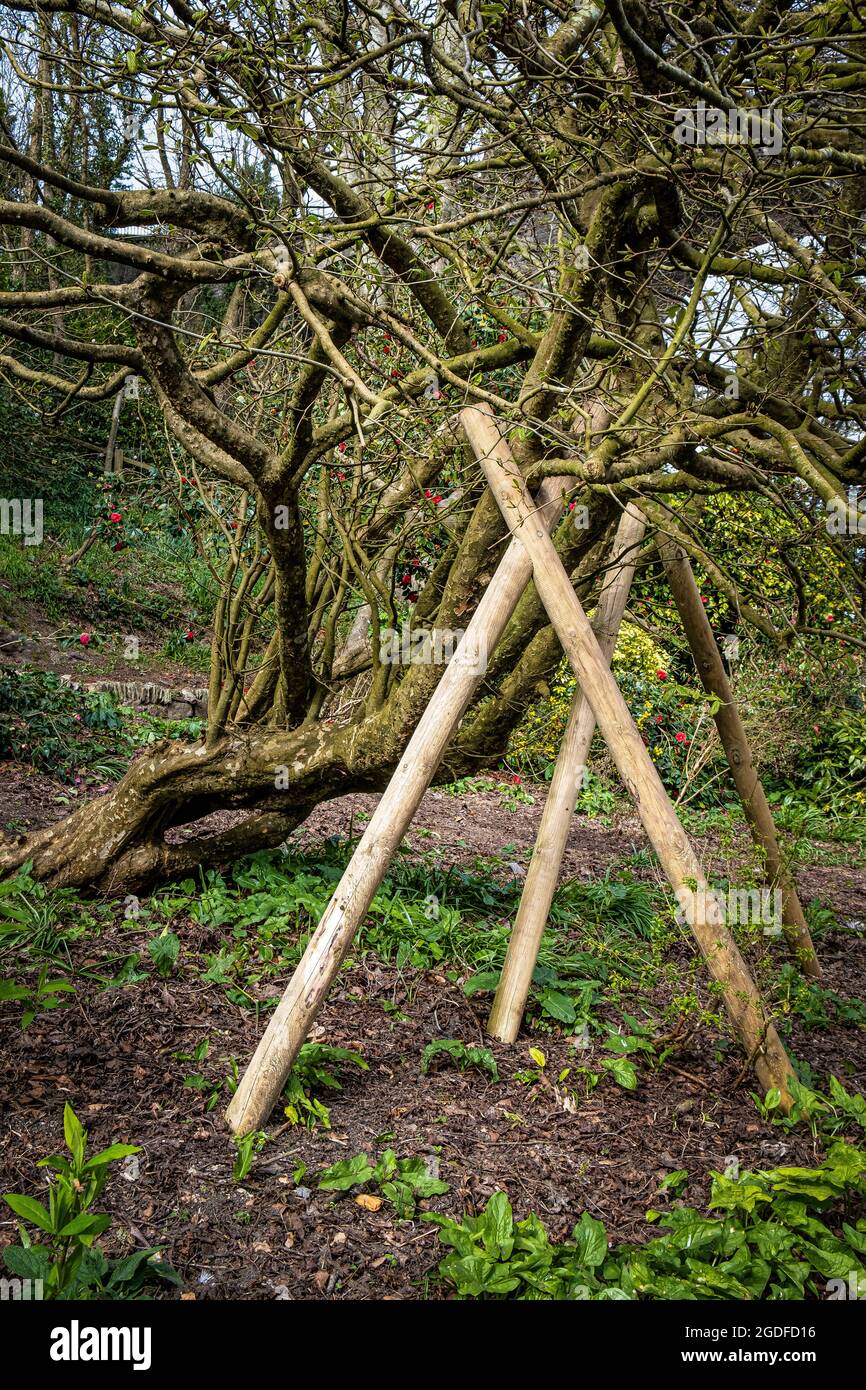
(272,779)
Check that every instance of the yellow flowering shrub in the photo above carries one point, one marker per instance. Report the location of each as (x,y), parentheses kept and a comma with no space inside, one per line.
(535,742)
(637,653)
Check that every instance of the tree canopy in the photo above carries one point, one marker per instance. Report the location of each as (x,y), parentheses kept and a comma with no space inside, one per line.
(313,233)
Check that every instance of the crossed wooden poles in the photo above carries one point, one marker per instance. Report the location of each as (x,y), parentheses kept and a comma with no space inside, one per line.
(531,554)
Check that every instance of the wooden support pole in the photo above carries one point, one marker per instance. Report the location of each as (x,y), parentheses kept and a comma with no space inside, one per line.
(266,1074)
(755,1029)
(113,429)
(542,877)
(705,652)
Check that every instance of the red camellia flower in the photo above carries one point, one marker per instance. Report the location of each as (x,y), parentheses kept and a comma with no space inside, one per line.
(342,446)
(430,207)
(183,479)
(406,579)
(436,501)
(413,598)
(703,600)
(386,351)
(516,780)
(190,635)
(502,338)
(233,525)
(115,516)
(119,545)
(341,477)
(829,618)
(84,639)
(660,719)
(680,738)
(427,492)
(662,675)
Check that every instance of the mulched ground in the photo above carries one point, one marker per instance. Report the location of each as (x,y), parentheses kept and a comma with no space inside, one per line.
(111,1055)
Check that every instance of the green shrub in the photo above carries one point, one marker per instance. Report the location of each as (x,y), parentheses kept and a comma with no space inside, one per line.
(47,724)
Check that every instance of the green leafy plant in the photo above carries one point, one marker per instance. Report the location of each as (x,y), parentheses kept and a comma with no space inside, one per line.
(825,1114)
(197,1081)
(533,1075)
(622,1071)
(43,997)
(514,795)
(421,918)
(817,1006)
(636,1043)
(495,1256)
(465,786)
(51,726)
(316,1065)
(69,1262)
(247,1146)
(461,1055)
(402,1181)
(771,1242)
(164,951)
(596,798)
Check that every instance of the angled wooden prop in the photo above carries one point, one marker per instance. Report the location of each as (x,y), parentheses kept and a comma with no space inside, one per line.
(266,1074)
(705,652)
(760,1040)
(541,879)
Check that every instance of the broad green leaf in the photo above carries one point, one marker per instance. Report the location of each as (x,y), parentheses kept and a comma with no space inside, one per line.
(111,1155)
(498,1226)
(29,1209)
(86,1223)
(31,1262)
(590,1239)
(73,1133)
(482,983)
(350,1172)
(558,1005)
(386,1167)
(622,1071)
